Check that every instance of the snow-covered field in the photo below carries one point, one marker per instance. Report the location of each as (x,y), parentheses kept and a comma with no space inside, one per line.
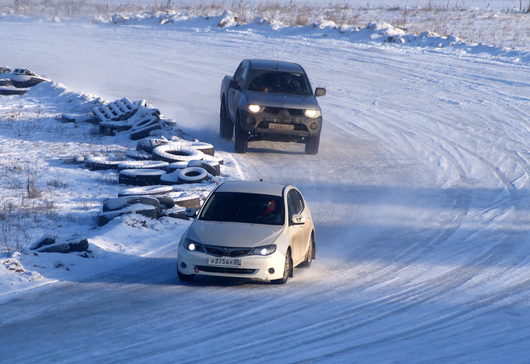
(420,195)
(503,23)
(480,4)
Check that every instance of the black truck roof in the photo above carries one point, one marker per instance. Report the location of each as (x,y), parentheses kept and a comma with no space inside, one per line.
(266,64)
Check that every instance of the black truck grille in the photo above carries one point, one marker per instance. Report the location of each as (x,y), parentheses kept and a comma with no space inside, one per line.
(280,110)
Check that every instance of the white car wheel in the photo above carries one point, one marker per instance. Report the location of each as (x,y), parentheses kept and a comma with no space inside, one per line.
(287,269)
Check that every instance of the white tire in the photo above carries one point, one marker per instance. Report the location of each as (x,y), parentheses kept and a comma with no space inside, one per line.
(192,175)
(145,164)
(170,178)
(175,166)
(145,190)
(211,167)
(176,152)
(206,148)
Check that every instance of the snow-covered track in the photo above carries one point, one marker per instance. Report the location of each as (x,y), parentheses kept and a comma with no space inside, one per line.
(420,194)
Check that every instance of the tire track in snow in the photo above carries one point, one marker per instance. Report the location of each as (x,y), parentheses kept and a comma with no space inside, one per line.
(447,234)
(409,298)
(365,303)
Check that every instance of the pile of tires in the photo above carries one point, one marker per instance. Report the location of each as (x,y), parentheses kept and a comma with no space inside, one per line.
(142,205)
(148,202)
(155,176)
(134,119)
(161,161)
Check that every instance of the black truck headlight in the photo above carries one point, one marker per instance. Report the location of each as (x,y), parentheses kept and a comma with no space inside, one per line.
(254,108)
(312,113)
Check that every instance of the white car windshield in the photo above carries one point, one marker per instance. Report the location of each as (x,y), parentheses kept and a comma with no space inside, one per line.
(244,207)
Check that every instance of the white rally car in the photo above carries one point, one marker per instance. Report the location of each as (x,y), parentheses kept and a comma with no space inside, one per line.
(252,230)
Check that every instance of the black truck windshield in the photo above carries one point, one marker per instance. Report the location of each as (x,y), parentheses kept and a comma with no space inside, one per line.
(244,207)
(279,82)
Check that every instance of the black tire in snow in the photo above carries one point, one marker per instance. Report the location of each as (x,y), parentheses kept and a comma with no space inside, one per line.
(140,177)
(139,133)
(166,202)
(118,203)
(241,139)
(142,164)
(144,210)
(101,163)
(226,127)
(312,144)
(148,144)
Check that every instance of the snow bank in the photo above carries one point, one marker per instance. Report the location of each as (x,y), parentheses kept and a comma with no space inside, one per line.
(63,100)
(46,197)
(372,33)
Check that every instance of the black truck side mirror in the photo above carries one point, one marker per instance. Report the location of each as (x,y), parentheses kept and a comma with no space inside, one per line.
(234,84)
(320,91)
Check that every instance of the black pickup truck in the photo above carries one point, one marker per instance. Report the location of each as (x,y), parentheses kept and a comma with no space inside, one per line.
(270,100)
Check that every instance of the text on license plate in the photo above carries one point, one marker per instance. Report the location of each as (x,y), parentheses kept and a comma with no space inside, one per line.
(224,261)
(281,126)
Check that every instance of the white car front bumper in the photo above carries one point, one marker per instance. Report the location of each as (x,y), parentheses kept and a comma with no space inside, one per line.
(257,267)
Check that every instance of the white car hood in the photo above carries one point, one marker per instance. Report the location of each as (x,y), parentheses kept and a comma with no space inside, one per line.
(233,234)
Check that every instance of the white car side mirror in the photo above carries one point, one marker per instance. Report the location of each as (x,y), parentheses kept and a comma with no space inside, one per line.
(297,219)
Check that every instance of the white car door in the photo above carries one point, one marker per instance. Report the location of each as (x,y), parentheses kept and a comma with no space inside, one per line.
(296,231)
(306,230)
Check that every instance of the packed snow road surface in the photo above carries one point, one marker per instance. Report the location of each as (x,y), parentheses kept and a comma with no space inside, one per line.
(420,196)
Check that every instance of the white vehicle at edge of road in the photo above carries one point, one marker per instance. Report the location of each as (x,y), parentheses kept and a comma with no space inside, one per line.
(253,230)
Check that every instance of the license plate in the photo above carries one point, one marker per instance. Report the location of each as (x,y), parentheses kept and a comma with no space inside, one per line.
(281,126)
(225,261)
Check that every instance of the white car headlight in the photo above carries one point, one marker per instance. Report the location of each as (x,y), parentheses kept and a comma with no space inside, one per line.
(192,245)
(264,250)
(312,113)
(254,108)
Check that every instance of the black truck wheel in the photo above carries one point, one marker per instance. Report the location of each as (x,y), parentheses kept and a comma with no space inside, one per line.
(226,127)
(241,139)
(311,145)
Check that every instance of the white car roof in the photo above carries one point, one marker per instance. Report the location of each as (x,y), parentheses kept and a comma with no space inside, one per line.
(265,188)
